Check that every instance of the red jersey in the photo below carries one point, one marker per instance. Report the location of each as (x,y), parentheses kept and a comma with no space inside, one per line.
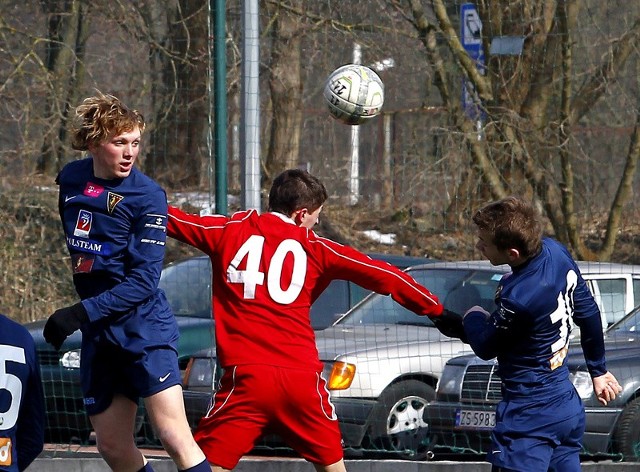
(267,271)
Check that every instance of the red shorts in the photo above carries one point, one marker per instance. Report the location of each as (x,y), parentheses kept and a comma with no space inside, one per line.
(257,399)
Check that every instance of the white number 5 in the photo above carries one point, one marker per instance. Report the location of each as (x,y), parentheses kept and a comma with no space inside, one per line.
(251,277)
(11,384)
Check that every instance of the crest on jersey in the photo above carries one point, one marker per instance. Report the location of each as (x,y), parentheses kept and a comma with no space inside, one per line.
(112,200)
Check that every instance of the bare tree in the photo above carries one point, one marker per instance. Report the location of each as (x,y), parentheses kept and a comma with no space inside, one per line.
(68,28)
(532,101)
(285,84)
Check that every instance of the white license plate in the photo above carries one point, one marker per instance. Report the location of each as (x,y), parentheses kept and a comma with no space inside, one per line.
(473,419)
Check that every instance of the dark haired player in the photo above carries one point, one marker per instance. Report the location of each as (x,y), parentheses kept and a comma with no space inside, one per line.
(21,398)
(267,271)
(114,221)
(540,420)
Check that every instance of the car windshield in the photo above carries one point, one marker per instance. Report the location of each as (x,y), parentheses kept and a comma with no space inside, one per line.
(458,289)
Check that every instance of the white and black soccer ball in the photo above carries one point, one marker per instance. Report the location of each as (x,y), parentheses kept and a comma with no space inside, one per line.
(354,94)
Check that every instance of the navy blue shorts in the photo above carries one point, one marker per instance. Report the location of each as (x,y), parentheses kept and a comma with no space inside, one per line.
(107,369)
(539,435)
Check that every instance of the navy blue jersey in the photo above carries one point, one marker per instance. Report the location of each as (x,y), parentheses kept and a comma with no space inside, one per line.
(115,231)
(529,331)
(21,398)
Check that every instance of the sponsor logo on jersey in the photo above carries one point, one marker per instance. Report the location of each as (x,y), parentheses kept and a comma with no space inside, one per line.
(81,264)
(93,190)
(558,358)
(83,224)
(88,246)
(156,222)
(164,377)
(112,200)
(89,401)
(152,241)
(67,198)
(5,452)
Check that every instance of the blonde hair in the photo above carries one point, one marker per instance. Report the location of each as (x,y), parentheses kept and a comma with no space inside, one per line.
(100,117)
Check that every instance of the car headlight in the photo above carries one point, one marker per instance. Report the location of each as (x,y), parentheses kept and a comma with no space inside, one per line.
(200,372)
(71,359)
(341,375)
(450,382)
(582,382)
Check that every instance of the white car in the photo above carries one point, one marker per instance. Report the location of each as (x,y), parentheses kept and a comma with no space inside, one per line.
(383,362)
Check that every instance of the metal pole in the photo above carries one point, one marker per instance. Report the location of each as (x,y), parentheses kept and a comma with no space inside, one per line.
(250,105)
(220,103)
(354,181)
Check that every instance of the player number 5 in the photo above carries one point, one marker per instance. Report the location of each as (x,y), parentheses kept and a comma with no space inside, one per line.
(10,383)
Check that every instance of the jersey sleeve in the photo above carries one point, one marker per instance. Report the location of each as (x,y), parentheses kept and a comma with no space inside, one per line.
(145,258)
(347,263)
(587,316)
(486,334)
(30,426)
(195,230)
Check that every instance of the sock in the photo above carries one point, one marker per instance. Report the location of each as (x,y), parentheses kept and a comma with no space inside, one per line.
(147,468)
(201,467)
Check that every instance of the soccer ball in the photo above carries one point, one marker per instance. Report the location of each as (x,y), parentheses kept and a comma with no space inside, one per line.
(354,94)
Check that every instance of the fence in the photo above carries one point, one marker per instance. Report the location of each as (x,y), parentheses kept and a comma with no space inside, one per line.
(555,120)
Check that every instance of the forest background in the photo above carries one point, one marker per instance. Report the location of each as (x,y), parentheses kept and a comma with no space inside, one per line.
(538,97)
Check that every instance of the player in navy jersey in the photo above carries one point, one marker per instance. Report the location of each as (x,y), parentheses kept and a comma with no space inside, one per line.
(114,220)
(540,420)
(21,398)
(267,271)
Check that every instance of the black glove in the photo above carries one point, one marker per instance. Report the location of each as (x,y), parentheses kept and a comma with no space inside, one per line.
(64,322)
(449,323)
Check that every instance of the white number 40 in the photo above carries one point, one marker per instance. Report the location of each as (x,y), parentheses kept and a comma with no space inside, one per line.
(251,277)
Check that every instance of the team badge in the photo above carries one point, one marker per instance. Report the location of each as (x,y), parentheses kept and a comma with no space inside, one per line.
(112,200)
(5,452)
(83,224)
(81,264)
(93,190)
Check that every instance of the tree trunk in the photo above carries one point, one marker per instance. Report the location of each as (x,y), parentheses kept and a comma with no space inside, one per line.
(68,31)
(285,84)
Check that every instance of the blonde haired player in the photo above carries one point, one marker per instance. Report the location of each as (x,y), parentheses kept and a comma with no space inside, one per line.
(114,219)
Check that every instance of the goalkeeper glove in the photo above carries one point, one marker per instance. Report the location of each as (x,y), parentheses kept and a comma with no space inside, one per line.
(449,323)
(63,323)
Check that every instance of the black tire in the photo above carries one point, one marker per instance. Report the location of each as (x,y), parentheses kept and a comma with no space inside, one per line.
(397,425)
(626,437)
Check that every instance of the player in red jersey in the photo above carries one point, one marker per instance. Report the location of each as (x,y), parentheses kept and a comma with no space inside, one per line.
(267,271)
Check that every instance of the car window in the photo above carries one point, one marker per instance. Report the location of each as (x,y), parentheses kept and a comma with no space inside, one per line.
(629,323)
(636,292)
(356,294)
(187,285)
(332,302)
(612,295)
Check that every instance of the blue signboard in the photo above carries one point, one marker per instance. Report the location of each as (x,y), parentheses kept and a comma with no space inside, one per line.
(471,38)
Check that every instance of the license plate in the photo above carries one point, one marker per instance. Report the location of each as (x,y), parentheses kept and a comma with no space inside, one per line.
(473,419)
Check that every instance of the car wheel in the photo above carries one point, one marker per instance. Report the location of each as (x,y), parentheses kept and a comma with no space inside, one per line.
(626,438)
(397,424)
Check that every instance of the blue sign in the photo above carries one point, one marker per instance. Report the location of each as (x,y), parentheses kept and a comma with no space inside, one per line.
(471,38)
